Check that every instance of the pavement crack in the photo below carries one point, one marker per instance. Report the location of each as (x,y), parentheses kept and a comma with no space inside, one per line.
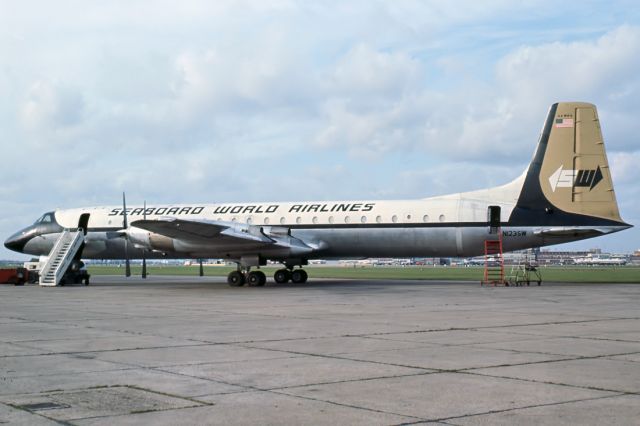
(524,407)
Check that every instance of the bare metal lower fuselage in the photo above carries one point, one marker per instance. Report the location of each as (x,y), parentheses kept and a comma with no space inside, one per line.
(335,243)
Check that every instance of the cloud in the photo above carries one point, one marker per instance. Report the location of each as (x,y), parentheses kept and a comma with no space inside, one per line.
(582,68)
(364,73)
(485,122)
(50,107)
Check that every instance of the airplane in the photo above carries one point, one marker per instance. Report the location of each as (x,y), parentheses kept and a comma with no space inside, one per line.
(565,194)
(602,260)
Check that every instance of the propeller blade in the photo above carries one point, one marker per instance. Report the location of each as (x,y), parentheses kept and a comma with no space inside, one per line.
(125,224)
(144,252)
(127,264)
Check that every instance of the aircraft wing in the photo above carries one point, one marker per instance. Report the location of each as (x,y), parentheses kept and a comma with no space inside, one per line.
(231,235)
(201,230)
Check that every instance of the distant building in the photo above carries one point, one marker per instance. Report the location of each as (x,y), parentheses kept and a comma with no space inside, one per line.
(548,257)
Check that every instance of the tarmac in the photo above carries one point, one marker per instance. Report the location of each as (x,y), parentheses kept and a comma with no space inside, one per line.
(191,350)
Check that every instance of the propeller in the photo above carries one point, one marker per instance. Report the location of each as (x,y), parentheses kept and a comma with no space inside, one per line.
(125,225)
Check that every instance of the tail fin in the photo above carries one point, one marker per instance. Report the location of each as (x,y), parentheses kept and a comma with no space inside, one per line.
(568,181)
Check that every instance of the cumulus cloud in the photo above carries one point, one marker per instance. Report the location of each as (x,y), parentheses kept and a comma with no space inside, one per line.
(50,106)
(624,166)
(364,73)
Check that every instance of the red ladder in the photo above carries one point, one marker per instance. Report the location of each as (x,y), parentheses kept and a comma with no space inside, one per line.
(494,262)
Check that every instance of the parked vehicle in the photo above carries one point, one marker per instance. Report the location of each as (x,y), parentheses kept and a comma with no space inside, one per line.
(15,276)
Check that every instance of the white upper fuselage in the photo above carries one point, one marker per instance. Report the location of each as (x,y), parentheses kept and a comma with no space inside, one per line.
(450,210)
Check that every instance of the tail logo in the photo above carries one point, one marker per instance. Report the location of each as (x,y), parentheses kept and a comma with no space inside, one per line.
(579,178)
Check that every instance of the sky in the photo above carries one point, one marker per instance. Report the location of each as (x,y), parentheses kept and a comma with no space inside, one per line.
(248,101)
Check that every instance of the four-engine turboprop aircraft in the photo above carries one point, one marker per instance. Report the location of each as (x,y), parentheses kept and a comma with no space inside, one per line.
(566,194)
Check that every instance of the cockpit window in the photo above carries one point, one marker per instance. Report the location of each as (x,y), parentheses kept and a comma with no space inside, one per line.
(46,218)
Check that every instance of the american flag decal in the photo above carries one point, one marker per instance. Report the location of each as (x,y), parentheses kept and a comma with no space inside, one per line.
(564,122)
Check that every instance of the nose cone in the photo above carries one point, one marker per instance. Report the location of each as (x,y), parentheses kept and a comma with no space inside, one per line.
(16,242)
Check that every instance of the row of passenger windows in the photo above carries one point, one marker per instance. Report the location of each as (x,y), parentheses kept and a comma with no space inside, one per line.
(331,219)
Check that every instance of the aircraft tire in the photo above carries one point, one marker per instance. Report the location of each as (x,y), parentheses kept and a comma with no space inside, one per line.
(235,279)
(299,276)
(256,279)
(282,276)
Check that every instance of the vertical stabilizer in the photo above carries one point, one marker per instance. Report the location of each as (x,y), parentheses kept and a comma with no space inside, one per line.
(569,181)
(575,173)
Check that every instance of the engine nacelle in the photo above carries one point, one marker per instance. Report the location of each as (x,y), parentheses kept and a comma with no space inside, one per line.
(150,241)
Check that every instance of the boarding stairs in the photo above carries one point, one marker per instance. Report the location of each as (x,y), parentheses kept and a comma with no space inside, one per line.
(61,256)
(494,262)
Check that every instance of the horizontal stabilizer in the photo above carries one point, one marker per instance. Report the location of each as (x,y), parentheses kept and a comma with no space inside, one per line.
(571,232)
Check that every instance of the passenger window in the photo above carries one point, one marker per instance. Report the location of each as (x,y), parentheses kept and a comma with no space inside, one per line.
(425,218)
(441,218)
(298,219)
(363,219)
(282,220)
(315,219)
(249,220)
(330,219)
(347,219)
(394,218)
(408,217)
(266,220)
(379,219)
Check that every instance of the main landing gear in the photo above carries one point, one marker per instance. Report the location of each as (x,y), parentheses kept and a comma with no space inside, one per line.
(297,276)
(258,278)
(253,278)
